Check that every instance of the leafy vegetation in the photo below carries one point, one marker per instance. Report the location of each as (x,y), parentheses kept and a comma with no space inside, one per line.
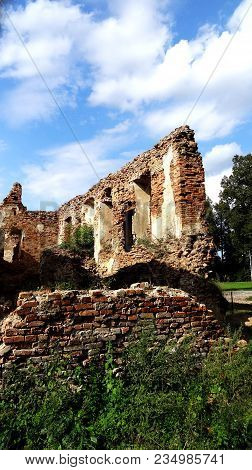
(80,240)
(167,397)
(230,221)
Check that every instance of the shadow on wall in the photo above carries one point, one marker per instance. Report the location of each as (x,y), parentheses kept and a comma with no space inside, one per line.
(2,235)
(18,275)
(62,269)
(159,273)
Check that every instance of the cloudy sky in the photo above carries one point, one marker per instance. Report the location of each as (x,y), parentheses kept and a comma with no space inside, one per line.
(124,74)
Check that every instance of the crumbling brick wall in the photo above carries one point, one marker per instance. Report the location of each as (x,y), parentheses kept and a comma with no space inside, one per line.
(158,195)
(25,234)
(78,324)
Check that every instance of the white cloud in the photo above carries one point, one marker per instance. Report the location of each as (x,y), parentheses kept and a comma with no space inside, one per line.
(206,120)
(67,44)
(225,102)
(218,163)
(127,62)
(3,145)
(65,171)
(51,32)
(46,28)
(119,128)
(239,15)
(174,73)
(124,50)
(213,184)
(220,158)
(29,101)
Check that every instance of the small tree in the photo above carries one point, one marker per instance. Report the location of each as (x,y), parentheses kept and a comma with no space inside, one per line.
(81,240)
(230,220)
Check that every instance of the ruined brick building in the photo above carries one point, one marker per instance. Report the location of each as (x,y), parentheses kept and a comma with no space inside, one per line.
(149,225)
(160,195)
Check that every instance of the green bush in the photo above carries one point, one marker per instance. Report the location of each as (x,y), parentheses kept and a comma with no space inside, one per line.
(166,397)
(52,409)
(82,239)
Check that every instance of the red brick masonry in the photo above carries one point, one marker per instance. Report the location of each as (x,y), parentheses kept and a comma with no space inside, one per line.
(158,195)
(78,324)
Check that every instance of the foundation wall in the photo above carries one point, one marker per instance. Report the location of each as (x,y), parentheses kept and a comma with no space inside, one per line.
(79,324)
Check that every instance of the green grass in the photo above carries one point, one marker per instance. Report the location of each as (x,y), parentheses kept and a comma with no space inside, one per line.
(224,286)
(168,397)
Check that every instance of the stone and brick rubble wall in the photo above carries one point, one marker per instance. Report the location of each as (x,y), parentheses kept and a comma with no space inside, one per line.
(40,229)
(5,310)
(183,177)
(32,231)
(78,324)
(158,195)
(187,174)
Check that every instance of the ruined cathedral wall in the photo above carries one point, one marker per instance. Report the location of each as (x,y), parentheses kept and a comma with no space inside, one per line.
(30,233)
(25,234)
(158,195)
(70,216)
(40,232)
(188,178)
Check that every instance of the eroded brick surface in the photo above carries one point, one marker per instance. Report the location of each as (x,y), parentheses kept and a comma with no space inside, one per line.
(43,324)
(158,195)
(156,199)
(25,234)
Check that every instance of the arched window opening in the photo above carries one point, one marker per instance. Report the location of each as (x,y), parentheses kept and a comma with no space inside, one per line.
(12,245)
(88,211)
(67,229)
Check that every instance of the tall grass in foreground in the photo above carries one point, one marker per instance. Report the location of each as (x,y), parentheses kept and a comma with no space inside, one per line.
(166,398)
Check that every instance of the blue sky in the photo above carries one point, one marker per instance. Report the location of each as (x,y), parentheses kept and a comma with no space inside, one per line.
(125,74)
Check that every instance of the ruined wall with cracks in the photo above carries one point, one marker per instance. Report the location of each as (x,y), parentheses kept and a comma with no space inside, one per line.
(158,195)
(78,324)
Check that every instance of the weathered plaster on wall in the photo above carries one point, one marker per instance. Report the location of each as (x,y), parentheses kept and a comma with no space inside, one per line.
(162,191)
(171,221)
